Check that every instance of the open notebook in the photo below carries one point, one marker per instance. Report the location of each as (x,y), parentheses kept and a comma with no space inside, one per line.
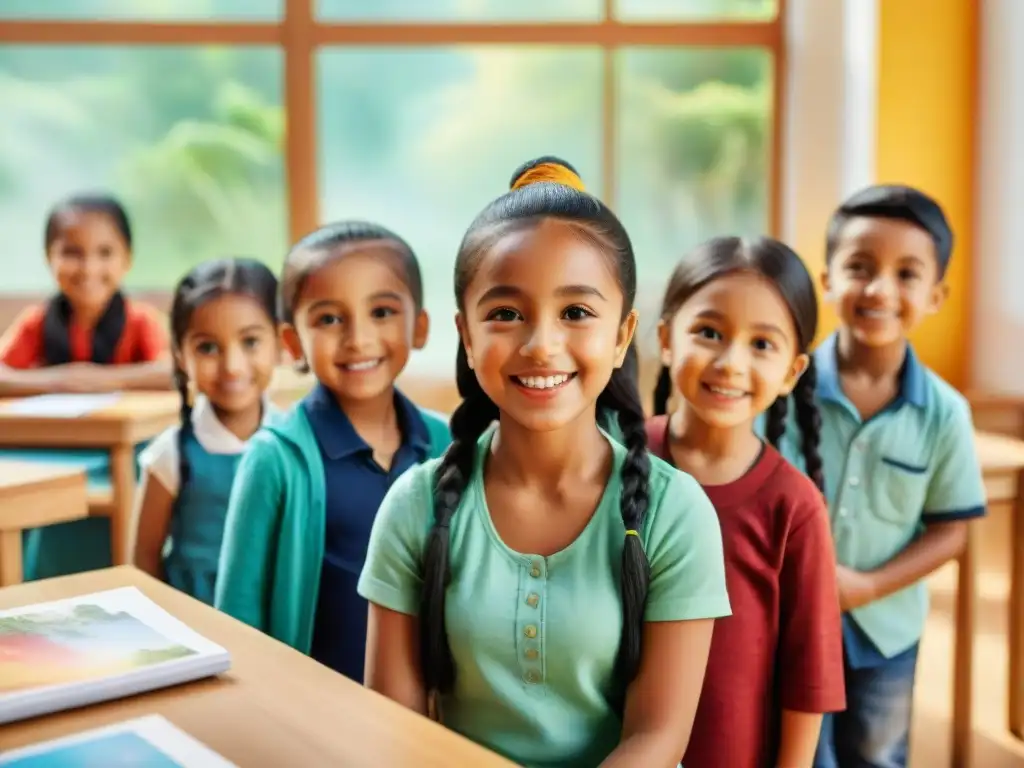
(91,648)
(149,741)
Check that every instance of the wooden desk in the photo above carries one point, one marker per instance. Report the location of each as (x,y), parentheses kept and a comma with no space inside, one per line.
(135,418)
(31,496)
(274,707)
(997,412)
(1002,460)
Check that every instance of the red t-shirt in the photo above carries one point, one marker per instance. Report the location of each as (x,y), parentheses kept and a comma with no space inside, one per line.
(144,339)
(782,647)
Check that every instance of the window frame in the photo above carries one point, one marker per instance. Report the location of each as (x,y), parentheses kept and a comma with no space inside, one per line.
(300,35)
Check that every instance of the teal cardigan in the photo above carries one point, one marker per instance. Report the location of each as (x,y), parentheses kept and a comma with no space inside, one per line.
(269,571)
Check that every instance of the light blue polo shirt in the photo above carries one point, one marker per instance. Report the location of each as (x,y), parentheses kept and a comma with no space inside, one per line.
(912,463)
(535,639)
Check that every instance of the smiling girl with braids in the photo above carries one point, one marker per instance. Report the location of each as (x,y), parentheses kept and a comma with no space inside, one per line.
(736,323)
(542,589)
(224,333)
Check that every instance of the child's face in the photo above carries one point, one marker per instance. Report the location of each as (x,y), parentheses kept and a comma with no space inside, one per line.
(89,259)
(883,279)
(356,323)
(542,325)
(230,351)
(732,350)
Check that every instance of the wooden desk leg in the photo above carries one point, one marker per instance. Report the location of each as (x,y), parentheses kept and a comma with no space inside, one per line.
(1016,618)
(963,654)
(122,477)
(10,558)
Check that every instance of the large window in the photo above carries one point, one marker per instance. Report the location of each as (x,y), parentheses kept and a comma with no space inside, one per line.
(234,126)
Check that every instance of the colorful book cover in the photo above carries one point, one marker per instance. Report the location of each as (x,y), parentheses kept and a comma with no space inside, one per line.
(95,647)
(146,742)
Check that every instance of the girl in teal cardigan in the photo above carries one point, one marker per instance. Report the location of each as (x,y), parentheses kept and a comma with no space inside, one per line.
(309,485)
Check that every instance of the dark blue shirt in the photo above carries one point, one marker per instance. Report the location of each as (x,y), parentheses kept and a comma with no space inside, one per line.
(356,485)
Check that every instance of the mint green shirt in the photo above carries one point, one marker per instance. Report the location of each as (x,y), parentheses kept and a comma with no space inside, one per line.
(911,464)
(535,638)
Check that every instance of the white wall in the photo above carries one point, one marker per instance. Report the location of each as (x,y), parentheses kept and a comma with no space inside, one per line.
(997,337)
(831,88)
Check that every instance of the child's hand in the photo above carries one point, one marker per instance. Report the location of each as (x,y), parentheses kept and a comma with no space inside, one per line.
(82,378)
(856,588)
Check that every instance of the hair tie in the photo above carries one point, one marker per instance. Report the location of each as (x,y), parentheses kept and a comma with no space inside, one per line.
(552,173)
(631,532)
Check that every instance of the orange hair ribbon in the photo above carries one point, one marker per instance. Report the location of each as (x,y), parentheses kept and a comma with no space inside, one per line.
(550,172)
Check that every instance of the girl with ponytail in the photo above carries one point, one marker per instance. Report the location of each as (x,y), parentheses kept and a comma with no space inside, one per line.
(736,322)
(542,589)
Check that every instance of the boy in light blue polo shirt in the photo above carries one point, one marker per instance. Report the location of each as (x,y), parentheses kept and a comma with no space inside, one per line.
(901,474)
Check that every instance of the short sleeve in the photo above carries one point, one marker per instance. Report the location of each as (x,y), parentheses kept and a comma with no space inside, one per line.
(956,490)
(152,338)
(811,674)
(160,459)
(22,342)
(684,548)
(391,576)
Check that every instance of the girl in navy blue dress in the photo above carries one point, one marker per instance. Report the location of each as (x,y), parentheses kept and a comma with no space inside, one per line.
(224,333)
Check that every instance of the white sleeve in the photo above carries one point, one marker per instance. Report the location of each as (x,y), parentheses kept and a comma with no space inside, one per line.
(160,459)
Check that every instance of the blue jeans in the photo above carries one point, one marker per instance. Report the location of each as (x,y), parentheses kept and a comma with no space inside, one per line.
(874,731)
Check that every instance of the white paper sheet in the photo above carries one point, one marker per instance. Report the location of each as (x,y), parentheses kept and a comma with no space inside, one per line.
(62,406)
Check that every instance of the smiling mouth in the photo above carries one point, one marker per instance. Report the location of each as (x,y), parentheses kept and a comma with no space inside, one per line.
(544,382)
(363,365)
(234,387)
(875,314)
(728,393)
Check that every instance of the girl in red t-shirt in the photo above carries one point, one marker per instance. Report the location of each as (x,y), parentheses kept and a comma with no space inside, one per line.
(736,322)
(88,337)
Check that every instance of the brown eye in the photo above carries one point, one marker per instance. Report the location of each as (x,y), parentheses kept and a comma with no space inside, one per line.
(503,315)
(577,313)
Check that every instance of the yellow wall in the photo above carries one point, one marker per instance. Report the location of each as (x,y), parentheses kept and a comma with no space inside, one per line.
(926,114)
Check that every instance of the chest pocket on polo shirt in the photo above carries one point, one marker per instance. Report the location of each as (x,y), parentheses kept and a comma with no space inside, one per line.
(901,487)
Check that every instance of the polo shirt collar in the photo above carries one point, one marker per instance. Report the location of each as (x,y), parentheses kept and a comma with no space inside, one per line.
(339,439)
(913,379)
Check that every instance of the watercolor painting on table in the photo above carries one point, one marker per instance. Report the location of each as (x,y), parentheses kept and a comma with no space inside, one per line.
(115,750)
(145,742)
(77,642)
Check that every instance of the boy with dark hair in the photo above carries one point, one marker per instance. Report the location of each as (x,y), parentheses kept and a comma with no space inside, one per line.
(901,474)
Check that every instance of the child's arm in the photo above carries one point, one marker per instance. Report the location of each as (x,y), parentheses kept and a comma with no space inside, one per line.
(250,532)
(939,544)
(20,374)
(16,382)
(159,466)
(687,592)
(798,739)
(91,377)
(155,506)
(810,676)
(85,377)
(391,581)
(956,495)
(661,702)
(392,665)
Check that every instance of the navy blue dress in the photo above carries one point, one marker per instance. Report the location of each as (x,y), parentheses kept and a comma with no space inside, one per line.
(356,485)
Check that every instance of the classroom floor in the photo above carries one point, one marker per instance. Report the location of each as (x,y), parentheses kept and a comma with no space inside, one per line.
(993,746)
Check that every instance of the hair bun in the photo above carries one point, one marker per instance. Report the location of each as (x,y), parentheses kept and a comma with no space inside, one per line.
(550,169)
